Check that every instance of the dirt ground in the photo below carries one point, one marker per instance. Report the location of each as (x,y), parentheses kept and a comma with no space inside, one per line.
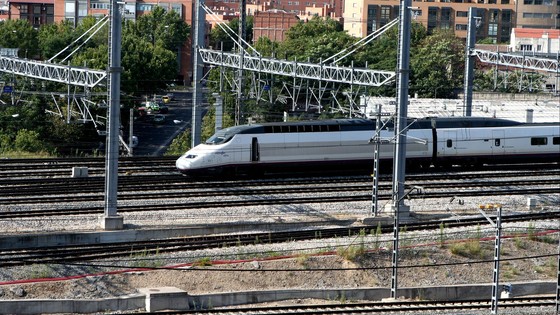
(426,266)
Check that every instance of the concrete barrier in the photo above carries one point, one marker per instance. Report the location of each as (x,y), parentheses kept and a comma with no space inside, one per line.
(21,241)
(170,298)
(72,306)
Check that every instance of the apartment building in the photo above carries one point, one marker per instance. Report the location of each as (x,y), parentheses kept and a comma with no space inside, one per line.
(495,18)
(37,12)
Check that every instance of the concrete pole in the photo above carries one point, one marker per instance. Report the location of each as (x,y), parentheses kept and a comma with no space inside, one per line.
(469,63)
(112,221)
(399,159)
(198,41)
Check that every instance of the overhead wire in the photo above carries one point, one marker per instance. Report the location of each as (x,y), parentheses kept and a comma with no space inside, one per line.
(225,27)
(97,26)
(362,42)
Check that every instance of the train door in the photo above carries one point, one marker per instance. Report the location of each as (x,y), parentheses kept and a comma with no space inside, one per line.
(449,143)
(255,152)
(498,143)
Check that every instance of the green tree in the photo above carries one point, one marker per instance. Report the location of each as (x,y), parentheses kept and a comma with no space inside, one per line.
(19,34)
(180,144)
(54,37)
(438,65)
(160,28)
(314,40)
(229,38)
(28,141)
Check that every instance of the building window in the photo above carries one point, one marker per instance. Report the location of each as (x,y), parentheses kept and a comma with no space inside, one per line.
(492,29)
(462,14)
(432,18)
(461,27)
(504,1)
(371,18)
(385,15)
(445,18)
(526,47)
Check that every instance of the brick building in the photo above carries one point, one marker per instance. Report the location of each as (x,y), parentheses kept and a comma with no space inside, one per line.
(497,17)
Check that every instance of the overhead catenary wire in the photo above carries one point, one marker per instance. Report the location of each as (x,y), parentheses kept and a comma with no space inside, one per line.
(362,42)
(96,27)
(225,27)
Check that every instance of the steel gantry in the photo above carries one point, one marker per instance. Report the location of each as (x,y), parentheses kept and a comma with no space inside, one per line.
(52,72)
(518,61)
(296,69)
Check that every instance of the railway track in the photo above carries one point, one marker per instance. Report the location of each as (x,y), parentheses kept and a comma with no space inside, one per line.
(395,307)
(61,254)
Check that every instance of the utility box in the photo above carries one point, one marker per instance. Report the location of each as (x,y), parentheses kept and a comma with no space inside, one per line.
(79,172)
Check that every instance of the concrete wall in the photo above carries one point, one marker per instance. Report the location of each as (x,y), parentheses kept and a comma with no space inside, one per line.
(169,298)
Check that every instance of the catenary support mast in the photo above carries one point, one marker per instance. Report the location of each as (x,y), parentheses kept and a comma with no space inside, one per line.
(112,221)
(198,40)
(399,159)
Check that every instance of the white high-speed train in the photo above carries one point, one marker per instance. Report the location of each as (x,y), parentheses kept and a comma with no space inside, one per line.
(334,145)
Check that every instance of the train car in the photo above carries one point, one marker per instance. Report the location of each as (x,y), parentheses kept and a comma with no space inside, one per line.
(335,145)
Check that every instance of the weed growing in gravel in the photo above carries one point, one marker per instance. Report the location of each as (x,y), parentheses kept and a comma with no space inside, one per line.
(303,259)
(351,252)
(206,261)
(442,237)
(509,272)
(377,243)
(470,249)
(142,259)
(549,268)
(520,242)
(41,271)
(531,232)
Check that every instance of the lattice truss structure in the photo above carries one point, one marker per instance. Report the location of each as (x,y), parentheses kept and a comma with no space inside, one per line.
(323,83)
(524,62)
(81,79)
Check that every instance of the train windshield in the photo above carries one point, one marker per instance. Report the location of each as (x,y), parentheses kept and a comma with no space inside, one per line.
(224,135)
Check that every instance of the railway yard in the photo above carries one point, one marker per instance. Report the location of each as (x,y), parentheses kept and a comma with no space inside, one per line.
(296,243)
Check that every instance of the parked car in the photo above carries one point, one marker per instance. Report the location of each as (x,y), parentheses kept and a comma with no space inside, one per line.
(159,119)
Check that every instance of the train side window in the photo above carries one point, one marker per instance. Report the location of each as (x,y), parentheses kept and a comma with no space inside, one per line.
(556,140)
(449,143)
(497,142)
(539,141)
(285,129)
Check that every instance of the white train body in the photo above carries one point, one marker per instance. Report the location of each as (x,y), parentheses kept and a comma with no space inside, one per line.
(343,144)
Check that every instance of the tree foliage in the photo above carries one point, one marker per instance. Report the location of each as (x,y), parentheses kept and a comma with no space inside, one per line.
(227,35)
(19,34)
(438,66)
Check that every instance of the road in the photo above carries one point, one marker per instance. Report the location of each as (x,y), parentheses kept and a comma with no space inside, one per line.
(153,139)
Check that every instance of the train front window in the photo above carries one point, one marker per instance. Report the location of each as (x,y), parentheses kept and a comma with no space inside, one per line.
(224,135)
(220,137)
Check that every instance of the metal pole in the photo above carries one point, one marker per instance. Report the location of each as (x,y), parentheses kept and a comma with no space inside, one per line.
(241,46)
(377,146)
(130,132)
(469,62)
(198,41)
(111,220)
(496,273)
(558,275)
(399,158)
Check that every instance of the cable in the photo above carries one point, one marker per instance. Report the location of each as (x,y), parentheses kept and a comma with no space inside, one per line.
(221,24)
